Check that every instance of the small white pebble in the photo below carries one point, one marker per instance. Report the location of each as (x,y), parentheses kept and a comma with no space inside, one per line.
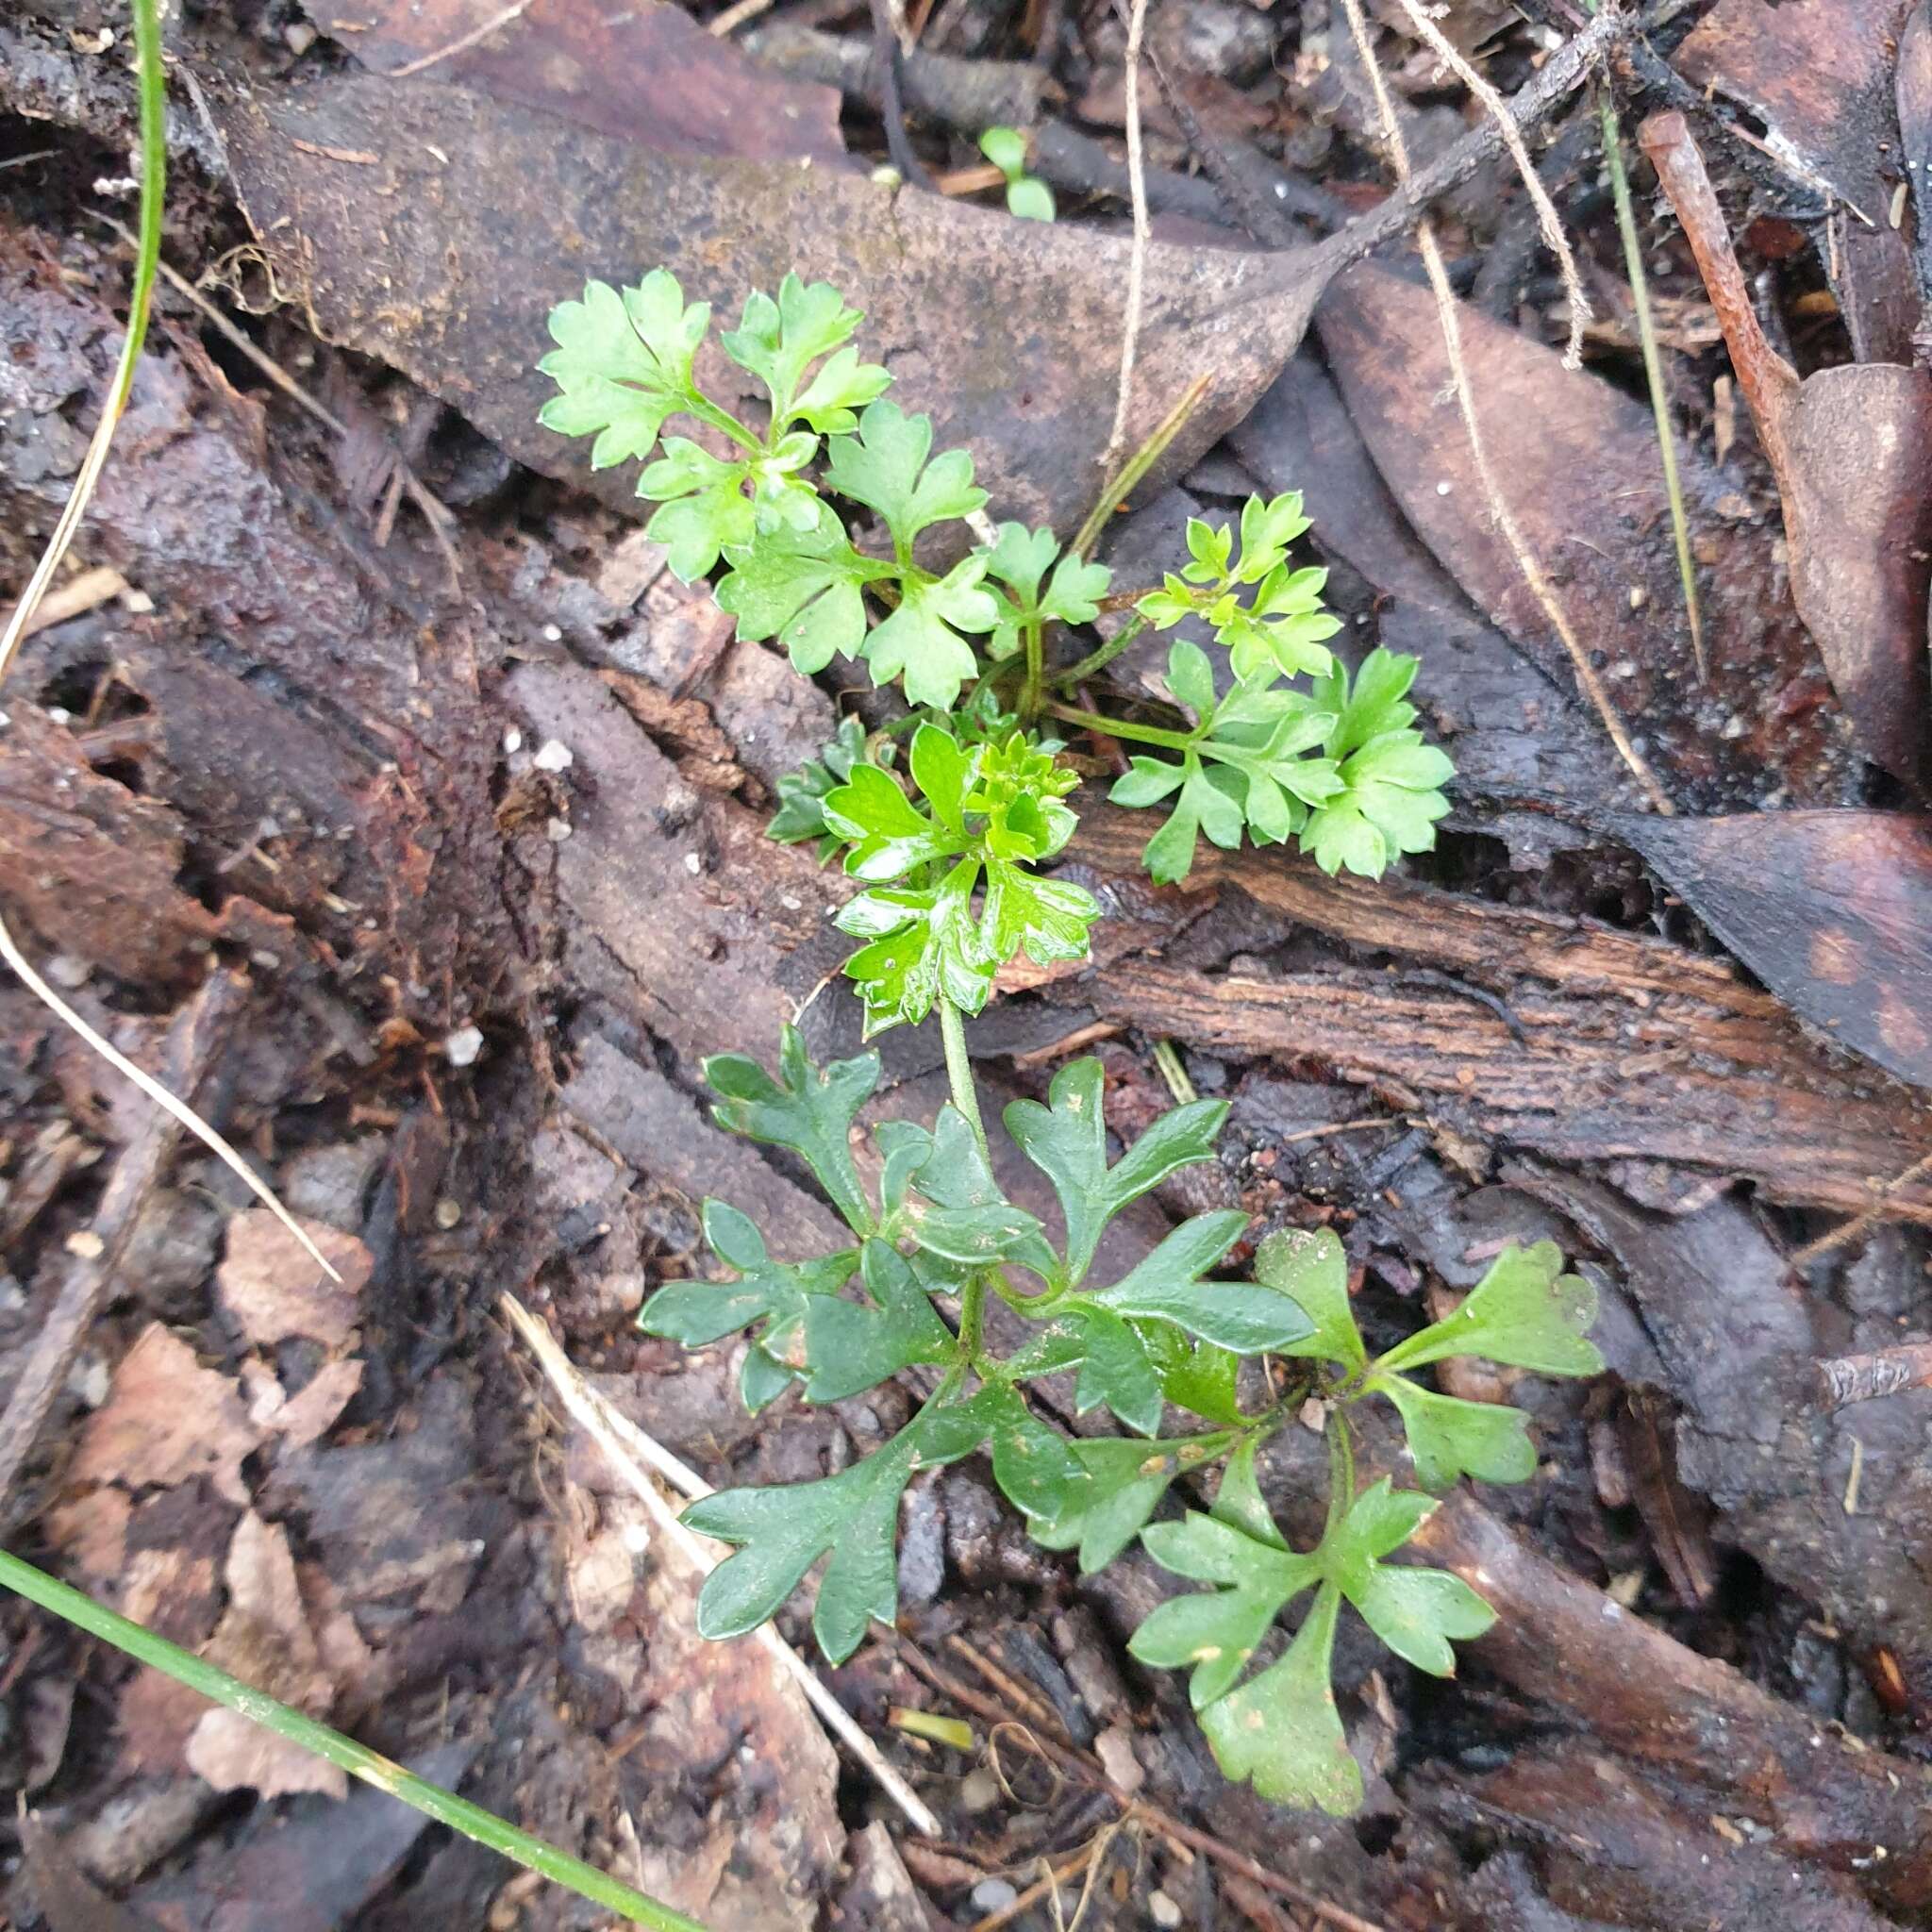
(63,969)
(1443,488)
(463,1046)
(693,864)
(637,1538)
(553,754)
(557,830)
(552,634)
(512,739)
(60,715)
(791,901)
(88,1381)
(137,603)
(86,1246)
(1163,1910)
(448,1213)
(993,1895)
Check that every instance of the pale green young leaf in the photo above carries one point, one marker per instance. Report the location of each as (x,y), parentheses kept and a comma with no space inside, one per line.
(1030,199)
(777,341)
(1309,1266)
(802,794)
(888,835)
(922,640)
(1524,1312)
(806,587)
(923,940)
(1048,920)
(883,466)
(623,364)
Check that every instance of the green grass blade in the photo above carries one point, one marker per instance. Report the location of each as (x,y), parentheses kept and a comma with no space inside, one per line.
(446,1807)
(1652,366)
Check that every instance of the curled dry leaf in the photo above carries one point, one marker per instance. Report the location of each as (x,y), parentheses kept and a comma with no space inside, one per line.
(446,255)
(167,1419)
(273,1288)
(1851,449)
(1819,74)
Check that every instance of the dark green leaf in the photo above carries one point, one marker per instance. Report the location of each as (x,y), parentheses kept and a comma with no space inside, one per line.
(849,1347)
(1281,1731)
(853,1515)
(921,641)
(1166,1286)
(1115,1369)
(967,1217)
(1036,1468)
(812,1113)
(1126,1482)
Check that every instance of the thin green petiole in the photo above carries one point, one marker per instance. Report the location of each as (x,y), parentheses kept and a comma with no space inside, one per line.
(471,1821)
(1340,1468)
(960,1073)
(1033,635)
(1122,485)
(1121,728)
(699,405)
(1099,658)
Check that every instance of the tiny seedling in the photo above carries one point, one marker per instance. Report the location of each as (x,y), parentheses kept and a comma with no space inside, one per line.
(946,845)
(1027,197)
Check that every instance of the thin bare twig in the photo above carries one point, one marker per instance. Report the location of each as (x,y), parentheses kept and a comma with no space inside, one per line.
(1497,108)
(1861,1224)
(462,43)
(1136,260)
(1526,563)
(628,1447)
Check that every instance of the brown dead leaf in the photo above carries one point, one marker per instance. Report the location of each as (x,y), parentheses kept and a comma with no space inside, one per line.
(1579,460)
(1851,448)
(264,1638)
(273,1288)
(167,1419)
(1830,910)
(91,1532)
(620,72)
(445,258)
(1819,74)
(309,1414)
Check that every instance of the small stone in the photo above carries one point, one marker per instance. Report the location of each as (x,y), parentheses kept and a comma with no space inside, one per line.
(1114,1747)
(993,1895)
(693,863)
(553,754)
(63,969)
(552,634)
(299,36)
(448,1213)
(979,1790)
(88,1381)
(557,830)
(86,1246)
(512,739)
(462,1047)
(1163,1910)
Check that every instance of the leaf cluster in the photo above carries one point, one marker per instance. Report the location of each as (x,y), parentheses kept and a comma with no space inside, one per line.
(1338,764)
(934,1232)
(1027,197)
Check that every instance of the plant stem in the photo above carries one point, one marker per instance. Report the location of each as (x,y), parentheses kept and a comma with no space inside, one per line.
(1095,659)
(369,1765)
(1169,1060)
(705,410)
(960,1073)
(1120,727)
(1340,1468)
(1032,633)
(1122,484)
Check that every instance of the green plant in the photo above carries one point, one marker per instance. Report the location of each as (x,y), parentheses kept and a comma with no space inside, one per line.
(936,604)
(948,861)
(1027,197)
(951,895)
